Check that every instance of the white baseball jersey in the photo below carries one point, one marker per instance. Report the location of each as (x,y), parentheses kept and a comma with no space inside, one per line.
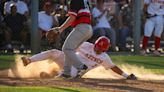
(85,52)
(45,22)
(88,56)
(103,21)
(156,10)
(155,7)
(21,6)
(147,1)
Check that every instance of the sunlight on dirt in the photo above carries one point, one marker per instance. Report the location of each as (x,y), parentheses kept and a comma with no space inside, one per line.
(48,68)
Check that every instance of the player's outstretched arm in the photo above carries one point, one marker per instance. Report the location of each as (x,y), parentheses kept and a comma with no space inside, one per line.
(122,73)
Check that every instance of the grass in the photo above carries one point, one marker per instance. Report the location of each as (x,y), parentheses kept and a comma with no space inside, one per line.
(155,64)
(43,89)
(6,61)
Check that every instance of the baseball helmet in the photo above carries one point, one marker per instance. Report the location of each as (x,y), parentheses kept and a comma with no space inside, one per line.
(102,43)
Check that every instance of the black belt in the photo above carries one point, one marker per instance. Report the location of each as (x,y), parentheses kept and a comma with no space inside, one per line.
(150,16)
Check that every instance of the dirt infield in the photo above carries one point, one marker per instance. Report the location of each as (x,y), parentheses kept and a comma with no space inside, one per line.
(99,78)
(104,85)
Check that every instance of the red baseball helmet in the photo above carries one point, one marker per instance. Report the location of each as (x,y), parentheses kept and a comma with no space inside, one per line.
(102,43)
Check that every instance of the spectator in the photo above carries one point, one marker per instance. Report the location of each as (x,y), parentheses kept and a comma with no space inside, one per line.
(63,5)
(93,2)
(42,3)
(125,24)
(1,18)
(2,3)
(103,28)
(46,20)
(21,7)
(16,23)
(1,31)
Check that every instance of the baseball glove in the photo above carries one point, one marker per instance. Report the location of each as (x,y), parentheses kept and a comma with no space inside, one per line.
(132,77)
(53,34)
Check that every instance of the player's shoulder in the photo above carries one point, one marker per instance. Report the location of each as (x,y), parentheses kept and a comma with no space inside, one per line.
(104,55)
(87,44)
(147,1)
(21,2)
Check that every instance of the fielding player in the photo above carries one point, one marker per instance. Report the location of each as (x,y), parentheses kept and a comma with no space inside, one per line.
(80,19)
(92,55)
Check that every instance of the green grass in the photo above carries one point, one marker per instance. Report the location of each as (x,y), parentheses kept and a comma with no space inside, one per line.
(154,64)
(43,89)
(6,61)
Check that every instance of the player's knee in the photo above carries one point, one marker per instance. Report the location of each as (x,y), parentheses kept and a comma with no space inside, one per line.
(53,51)
(66,51)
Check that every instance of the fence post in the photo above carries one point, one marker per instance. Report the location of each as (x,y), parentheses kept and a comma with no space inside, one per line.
(35,35)
(137,26)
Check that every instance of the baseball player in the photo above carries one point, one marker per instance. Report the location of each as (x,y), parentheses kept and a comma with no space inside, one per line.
(80,19)
(155,21)
(92,55)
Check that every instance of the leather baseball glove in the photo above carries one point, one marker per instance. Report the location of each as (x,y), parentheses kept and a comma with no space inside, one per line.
(132,77)
(53,34)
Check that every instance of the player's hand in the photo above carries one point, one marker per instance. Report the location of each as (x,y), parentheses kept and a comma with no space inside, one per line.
(56,30)
(132,77)
(52,34)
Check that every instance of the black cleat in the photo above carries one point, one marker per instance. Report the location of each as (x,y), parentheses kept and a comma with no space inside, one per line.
(63,76)
(132,77)
(81,72)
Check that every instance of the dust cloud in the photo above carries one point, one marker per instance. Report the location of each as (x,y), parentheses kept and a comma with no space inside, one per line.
(140,72)
(38,69)
(48,68)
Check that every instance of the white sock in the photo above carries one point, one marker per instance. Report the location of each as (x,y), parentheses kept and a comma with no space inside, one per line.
(125,75)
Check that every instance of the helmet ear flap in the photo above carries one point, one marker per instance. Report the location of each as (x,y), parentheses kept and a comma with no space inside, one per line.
(102,43)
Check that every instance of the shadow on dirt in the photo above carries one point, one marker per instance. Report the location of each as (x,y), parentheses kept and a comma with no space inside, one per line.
(104,85)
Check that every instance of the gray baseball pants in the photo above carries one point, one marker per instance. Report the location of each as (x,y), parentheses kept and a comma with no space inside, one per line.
(80,34)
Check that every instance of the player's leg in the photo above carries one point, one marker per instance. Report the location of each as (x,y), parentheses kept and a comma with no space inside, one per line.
(149,27)
(50,54)
(157,33)
(81,33)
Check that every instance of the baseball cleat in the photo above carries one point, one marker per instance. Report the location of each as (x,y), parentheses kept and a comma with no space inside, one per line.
(132,77)
(26,61)
(143,52)
(157,53)
(81,72)
(63,76)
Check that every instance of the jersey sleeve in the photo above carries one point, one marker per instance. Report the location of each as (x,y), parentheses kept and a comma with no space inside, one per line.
(75,6)
(95,12)
(107,62)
